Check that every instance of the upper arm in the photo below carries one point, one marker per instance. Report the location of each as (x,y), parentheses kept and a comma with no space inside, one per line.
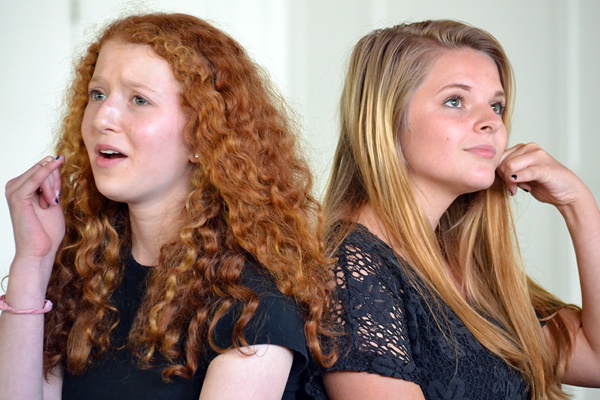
(364,386)
(584,369)
(52,387)
(372,313)
(260,372)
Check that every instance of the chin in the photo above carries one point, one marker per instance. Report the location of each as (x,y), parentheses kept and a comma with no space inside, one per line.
(482,184)
(111,194)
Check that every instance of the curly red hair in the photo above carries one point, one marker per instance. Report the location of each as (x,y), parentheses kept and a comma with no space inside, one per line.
(250,198)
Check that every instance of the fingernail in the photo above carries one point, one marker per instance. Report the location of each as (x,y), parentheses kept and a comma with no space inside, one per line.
(509,192)
(525,190)
(514,177)
(56,200)
(57,157)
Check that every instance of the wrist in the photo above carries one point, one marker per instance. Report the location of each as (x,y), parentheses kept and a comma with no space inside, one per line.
(581,209)
(25,287)
(30,274)
(5,307)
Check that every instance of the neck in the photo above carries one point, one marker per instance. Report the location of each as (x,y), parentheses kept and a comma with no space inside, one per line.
(150,230)
(367,217)
(433,206)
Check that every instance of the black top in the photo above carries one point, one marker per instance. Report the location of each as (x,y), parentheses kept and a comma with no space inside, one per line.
(277,321)
(391,331)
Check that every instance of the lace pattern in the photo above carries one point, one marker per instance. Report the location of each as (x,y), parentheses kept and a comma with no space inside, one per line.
(391,331)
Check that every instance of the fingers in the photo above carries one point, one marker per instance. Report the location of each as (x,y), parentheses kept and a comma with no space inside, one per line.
(529,167)
(508,152)
(513,186)
(521,165)
(41,180)
(49,188)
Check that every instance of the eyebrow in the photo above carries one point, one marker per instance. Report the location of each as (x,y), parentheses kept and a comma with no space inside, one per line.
(127,82)
(138,85)
(499,93)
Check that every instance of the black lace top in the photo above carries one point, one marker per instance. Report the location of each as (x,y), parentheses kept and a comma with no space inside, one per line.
(391,331)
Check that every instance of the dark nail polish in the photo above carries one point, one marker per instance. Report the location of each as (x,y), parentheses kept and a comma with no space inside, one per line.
(514,177)
(57,157)
(525,190)
(56,200)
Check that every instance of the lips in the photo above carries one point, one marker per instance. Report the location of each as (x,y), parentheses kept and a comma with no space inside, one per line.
(483,151)
(108,156)
(109,152)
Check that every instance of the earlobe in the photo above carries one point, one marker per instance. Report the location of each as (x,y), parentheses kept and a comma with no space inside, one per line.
(194,158)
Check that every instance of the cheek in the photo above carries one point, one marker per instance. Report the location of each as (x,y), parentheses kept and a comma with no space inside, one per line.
(161,139)
(502,139)
(87,122)
(86,129)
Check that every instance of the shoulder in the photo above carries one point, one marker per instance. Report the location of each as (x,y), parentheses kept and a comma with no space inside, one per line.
(371,308)
(361,243)
(277,318)
(363,256)
(256,278)
(277,312)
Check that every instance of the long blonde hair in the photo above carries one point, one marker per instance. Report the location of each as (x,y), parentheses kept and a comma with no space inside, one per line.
(475,236)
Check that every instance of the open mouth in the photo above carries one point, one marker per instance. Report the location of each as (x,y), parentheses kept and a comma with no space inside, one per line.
(109,154)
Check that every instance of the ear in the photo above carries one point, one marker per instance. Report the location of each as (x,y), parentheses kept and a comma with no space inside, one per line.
(194,158)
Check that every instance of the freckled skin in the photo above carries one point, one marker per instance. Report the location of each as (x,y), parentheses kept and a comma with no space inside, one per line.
(456,134)
(134,108)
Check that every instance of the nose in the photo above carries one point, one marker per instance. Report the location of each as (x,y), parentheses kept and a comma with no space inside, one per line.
(488,121)
(107,116)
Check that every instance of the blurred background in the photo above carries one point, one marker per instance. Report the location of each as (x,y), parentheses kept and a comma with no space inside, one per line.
(304,45)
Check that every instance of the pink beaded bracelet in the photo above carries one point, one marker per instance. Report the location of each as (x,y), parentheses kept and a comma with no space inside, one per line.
(5,307)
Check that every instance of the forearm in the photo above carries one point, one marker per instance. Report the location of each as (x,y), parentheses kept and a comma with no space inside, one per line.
(583,222)
(22,336)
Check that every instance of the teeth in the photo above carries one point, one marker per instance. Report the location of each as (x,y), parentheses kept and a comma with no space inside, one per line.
(109,152)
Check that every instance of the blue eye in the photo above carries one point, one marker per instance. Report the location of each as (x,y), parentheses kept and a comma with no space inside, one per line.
(96,95)
(498,108)
(454,102)
(139,101)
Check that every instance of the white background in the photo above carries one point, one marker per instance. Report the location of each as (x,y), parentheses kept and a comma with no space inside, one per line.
(304,44)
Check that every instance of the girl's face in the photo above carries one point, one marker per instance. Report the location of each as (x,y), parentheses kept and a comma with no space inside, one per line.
(133,127)
(455,133)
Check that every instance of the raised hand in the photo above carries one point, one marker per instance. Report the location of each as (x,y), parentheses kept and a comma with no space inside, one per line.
(529,167)
(37,218)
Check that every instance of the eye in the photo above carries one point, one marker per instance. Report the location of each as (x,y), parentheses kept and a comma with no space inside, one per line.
(498,108)
(139,101)
(97,95)
(454,102)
